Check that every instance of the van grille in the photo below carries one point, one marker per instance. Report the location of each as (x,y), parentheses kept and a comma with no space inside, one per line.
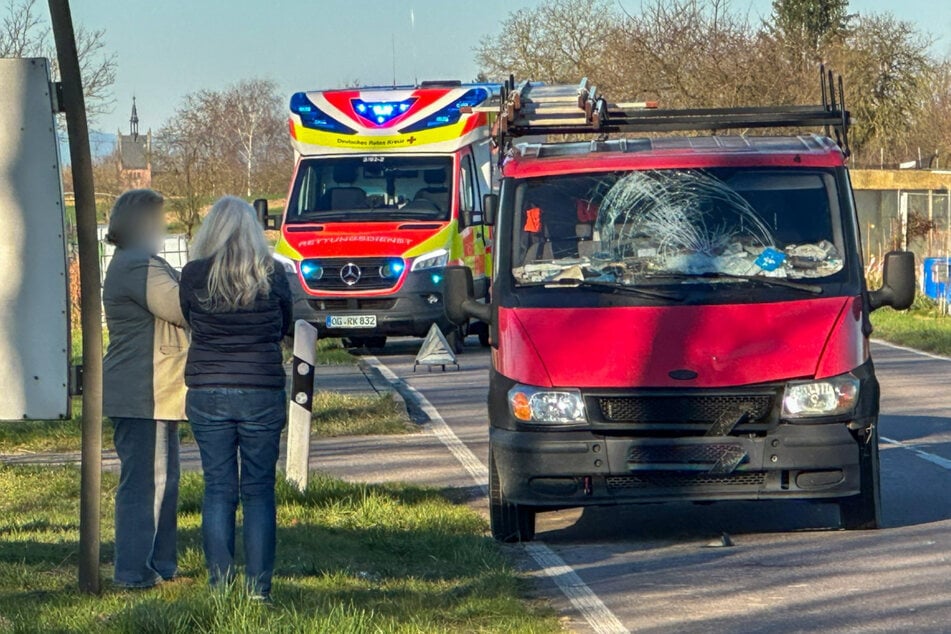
(698,454)
(683,408)
(678,480)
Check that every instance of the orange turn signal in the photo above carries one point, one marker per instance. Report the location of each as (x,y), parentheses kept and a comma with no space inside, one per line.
(521,407)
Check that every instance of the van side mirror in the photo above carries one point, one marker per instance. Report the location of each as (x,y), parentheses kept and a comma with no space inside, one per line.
(460,304)
(898,282)
(490,207)
(260,208)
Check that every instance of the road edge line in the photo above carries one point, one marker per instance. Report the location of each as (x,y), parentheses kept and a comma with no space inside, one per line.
(895,346)
(934,459)
(597,615)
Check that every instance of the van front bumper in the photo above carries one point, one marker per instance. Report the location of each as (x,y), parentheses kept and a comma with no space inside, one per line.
(575,468)
(411,311)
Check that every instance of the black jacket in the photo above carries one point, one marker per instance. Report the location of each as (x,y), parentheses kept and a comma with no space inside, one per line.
(235,349)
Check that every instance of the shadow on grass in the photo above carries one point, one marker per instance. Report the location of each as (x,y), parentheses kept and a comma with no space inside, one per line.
(351,558)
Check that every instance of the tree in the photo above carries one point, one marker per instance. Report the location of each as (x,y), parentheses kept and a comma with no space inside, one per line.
(221,142)
(558,41)
(257,112)
(805,26)
(24,32)
(889,76)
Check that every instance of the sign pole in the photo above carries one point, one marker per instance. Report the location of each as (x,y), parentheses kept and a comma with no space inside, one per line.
(74,104)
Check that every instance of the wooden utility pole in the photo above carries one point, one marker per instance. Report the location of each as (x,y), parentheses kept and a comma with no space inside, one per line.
(74,104)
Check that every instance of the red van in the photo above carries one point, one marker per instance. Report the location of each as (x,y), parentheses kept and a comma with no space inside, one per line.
(681,318)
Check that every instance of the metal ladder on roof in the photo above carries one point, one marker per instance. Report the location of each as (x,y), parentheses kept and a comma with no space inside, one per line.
(540,109)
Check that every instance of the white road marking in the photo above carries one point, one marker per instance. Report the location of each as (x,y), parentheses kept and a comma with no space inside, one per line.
(935,459)
(895,346)
(598,616)
(942,462)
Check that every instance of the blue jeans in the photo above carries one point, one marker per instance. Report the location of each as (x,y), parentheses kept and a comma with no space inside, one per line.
(146,501)
(228,423)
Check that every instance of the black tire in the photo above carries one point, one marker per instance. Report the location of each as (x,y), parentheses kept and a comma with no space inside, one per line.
(863,511)
(456,339)
(374,342)
(482,330)
(510,522)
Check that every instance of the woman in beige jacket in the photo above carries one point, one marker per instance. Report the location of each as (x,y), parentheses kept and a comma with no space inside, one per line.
(143,388)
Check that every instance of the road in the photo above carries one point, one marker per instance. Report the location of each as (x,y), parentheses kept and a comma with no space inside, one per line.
(657,568)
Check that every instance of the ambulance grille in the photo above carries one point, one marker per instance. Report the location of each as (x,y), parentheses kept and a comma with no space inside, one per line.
(369,277)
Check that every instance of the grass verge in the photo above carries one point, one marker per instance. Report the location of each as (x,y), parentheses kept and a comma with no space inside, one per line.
(338,414)
(351,558)
(922,327)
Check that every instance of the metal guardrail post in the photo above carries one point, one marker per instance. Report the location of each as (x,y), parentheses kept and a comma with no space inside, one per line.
(300,412)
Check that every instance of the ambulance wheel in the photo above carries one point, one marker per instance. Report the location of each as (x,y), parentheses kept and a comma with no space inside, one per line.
(509,522)
(863,511)
(370,343)
(456,339)
(481,329)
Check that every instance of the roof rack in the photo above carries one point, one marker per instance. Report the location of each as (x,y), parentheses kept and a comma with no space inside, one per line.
(539,109)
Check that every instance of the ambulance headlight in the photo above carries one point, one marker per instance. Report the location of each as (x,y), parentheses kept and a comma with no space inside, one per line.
(290,266)
(537,405)
(431,260)
(829,397)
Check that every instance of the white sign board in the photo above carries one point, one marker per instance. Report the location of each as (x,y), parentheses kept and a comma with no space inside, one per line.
(34,305)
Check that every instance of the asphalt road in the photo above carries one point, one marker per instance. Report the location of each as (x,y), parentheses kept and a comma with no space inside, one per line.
(791,569)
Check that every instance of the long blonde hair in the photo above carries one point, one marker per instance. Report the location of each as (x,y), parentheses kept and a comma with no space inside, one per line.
(240,259)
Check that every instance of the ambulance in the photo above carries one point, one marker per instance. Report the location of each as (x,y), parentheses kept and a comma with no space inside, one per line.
(386,193)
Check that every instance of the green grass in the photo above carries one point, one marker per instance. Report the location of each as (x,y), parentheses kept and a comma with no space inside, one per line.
(329,352)
(347,415)
(351,558)
(923,328)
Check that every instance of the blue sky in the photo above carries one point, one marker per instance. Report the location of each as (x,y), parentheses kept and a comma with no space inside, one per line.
(168,48)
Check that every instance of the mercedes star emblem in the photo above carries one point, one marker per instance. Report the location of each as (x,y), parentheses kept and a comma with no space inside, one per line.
(350,274)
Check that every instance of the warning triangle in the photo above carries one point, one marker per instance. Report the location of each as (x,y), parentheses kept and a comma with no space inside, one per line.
(436,350)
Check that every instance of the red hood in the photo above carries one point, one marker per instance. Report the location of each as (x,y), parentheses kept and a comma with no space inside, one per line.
(725,345)
(358,239)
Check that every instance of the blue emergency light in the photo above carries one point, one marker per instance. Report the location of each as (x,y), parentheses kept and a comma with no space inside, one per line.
(451,113)
(313,117)
(392,269)
(381,112)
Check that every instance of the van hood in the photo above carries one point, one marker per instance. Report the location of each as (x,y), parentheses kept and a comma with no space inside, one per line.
(680,346)
(365,239)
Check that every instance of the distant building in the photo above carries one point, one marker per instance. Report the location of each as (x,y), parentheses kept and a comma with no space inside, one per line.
(134,152)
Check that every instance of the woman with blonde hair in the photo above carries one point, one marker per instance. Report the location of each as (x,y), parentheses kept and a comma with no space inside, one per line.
(143,390)
(238,304)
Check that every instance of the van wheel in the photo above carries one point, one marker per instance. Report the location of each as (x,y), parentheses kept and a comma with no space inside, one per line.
(509,522)
(863,511)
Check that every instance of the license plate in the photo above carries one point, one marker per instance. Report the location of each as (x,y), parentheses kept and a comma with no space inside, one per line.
(351,321)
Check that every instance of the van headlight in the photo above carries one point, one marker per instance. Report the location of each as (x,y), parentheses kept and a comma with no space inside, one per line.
(431,260)
(536,405)
(290,266)
(828,397)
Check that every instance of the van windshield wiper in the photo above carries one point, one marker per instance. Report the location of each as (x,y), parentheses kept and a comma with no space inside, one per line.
(608,287)
(815,289)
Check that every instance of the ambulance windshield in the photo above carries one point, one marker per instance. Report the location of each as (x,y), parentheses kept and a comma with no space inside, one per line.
(372,189)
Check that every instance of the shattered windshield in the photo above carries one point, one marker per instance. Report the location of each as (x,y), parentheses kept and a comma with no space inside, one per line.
(372,188)
(640,227)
